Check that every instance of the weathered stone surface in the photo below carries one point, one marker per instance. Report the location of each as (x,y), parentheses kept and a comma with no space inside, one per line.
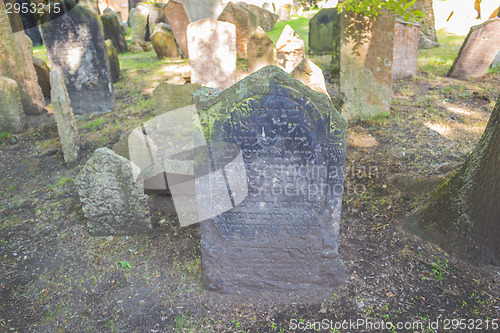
(284,12)
(111,192)
(366,71)
(324,32)
(75,44)
(311,75)
(138,20)
(16,63)
(156,13)
(200,9)
(109,11)
(265,19)
(260,51)
(114,62)
(11,111)
(90,5)
(178,19)
(113,31)
(478,51)
(427,26)
(137,47)
(164,42)
(43,74)
(65,119)
(284,235)
(167,97)
(496,62)
(290,49)
(30,23)
(212,53)
(245,22)
(406,39)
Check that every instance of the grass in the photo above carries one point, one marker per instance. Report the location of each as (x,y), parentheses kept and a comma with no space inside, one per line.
(41,53)
(437,61)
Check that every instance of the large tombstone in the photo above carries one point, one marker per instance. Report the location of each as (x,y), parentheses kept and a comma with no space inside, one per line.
(290,49)
(16,62)
(284,235)
(478,51)
(366,71)
(113,31)
(112,195)
(406,39)
(11,111)
(200,9)
(212,53)
(163,41)
(324,31)
(65,119)
(178,19)
(245,22)
(75,46)
(260,51)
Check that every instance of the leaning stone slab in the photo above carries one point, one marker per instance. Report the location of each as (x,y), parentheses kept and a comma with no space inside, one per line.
(290,49)
(114,62)
(178,19)
(163,41)
(478,51)
(112,195)
(113,31)
(284,235)
(245,22)
(324,30)
(212,53)
(366,71)
(406,39)
(11,111)
(75,45)
(311,75)
(65,119)
(43,75)
(16,63)
(265,19)
(260,51)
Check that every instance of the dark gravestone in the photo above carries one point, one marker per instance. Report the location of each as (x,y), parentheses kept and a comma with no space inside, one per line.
(29,22)
(113,31)
(324,32)
(75,44)
(284,235)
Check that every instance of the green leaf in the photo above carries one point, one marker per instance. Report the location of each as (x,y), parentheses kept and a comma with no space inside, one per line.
(124,264)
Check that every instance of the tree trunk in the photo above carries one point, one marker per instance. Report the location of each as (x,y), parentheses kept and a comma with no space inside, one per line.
(427,26)
(463,215)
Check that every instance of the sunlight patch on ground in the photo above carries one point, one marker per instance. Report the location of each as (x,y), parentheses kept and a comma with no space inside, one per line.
(441,129)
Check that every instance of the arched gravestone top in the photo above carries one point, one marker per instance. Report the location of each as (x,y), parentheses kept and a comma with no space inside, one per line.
(324,32)
(284,235)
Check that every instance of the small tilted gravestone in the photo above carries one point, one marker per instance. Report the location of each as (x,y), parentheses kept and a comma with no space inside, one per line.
(260,51)
(75,45)
(290,49)
(405,53)
(178,19)
(366,73)
(11,111)
(113,31)
(212,53)
(478,51)
(163,41)
(311,75)
(284,236)
(65,119)
(16,63)
(245,22)
(112,194)
(324,31)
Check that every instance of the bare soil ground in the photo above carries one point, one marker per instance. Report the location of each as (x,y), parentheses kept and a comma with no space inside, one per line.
(55,278)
